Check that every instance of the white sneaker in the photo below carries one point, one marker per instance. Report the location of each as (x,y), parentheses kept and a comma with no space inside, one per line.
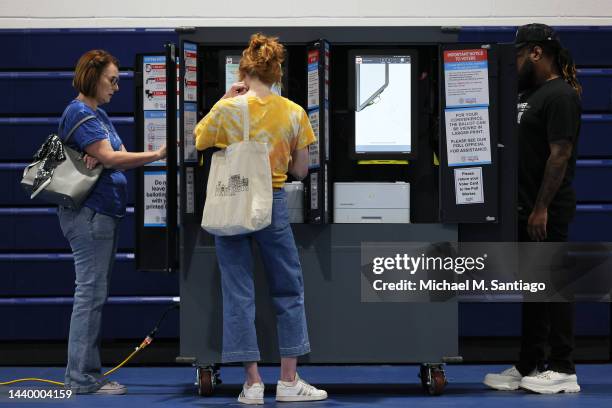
(112,388)
(551,382)
(253,394)
(299,390)
(507,380)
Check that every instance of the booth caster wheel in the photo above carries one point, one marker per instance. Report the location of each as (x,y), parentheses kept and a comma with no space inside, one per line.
(433,378)
(207,380)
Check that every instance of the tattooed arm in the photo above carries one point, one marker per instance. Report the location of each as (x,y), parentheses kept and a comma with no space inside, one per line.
(560,153)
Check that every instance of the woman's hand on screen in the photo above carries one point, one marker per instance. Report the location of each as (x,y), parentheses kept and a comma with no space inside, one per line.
(161,153)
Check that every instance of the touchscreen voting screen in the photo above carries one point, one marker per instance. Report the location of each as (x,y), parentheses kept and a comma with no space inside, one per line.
(232,62)
(383,105)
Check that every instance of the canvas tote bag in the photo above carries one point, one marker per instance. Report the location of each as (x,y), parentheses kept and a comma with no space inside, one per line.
(239,189)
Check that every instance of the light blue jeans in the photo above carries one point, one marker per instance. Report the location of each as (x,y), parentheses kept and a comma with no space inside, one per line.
(93,239)
(284,272)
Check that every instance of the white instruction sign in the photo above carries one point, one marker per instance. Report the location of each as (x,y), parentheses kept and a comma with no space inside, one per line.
(154,83)
(154,133)
(466,76)
(190,189)
(468,139)
(190,119)
(314,191)
(154,198)
(191,72)
(468,185)
(313,149)
(313,79)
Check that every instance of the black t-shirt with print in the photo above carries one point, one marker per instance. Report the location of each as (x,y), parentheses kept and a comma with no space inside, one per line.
(547,114)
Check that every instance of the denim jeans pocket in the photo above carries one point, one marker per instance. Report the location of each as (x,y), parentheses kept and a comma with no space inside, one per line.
(66,220)
(102,226)
(280,214)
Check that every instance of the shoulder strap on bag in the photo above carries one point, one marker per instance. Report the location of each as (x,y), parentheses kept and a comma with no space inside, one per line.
(244,105)
(79,123)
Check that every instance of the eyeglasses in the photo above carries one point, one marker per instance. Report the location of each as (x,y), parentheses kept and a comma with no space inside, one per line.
(114,81)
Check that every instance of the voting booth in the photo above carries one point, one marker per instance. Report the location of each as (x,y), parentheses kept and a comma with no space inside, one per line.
(415,136)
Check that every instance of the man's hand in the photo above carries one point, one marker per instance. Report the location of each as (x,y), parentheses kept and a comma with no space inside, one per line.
(536,225)
(90,161)
(238,88)
(556,164)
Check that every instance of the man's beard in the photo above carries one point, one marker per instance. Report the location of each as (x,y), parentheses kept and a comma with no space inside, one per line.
(526,76)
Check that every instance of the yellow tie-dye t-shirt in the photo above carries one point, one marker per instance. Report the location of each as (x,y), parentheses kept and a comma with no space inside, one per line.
(280,123)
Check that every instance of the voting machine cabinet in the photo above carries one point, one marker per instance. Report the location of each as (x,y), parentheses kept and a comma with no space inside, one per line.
(433,175)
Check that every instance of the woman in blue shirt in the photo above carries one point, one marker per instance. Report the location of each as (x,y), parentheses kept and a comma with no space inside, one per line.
(92,229)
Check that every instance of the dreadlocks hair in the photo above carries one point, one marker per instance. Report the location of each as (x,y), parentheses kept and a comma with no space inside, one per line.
(563,61)
(567,68)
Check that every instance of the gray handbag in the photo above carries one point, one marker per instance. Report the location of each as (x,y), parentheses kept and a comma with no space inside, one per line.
(59,174)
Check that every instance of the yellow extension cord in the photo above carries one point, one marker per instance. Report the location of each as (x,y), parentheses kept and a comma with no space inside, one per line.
(148,340)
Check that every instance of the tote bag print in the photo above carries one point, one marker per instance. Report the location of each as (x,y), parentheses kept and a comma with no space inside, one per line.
(239,190)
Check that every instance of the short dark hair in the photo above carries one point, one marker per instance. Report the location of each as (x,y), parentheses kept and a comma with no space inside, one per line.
(89,70)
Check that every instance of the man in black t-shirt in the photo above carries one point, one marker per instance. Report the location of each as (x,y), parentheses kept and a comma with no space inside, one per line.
(548,127)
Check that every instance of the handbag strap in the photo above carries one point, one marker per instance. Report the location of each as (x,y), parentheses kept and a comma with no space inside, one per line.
(79,123)
(244,106)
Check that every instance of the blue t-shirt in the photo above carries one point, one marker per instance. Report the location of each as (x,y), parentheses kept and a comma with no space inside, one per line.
(109,195)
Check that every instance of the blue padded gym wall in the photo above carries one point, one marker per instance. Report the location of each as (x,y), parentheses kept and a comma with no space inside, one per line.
(35,262)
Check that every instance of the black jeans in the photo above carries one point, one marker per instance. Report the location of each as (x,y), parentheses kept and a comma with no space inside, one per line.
(547,324)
